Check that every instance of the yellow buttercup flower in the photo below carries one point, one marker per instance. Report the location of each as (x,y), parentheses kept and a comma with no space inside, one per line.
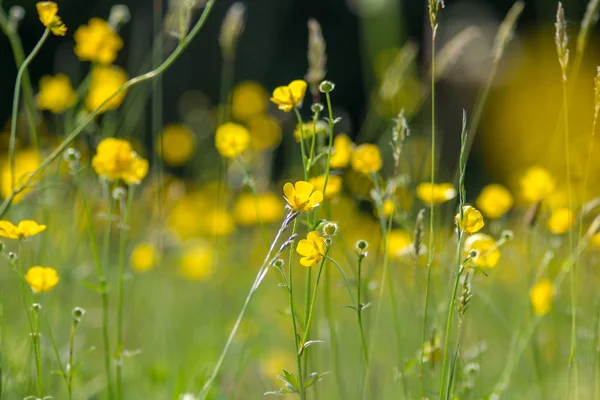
(399,244)
(41,279)
(265,132)
(488,253)
(56,94)
(309,129)
(341,152)
(248,99)
(312,249)
(231,139)
(536,184)
(436,194)
(196,262)
(105,81)
(366,159)
(22,230)
(176,144)
(541,296)
(97,42)
(115,159)
(26,162)
(334,185)
(290,96)
(302,196)
(560,221)
(472,220)
(47,11)
(144,257)
(265,207)
(137,171)
(494,201)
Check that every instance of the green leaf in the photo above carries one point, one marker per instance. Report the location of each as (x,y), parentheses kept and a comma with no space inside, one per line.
(313,378)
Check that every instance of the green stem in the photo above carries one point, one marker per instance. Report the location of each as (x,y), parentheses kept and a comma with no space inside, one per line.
(305,164)
(105,267)
(70,364)
(311,305)
(328,166)
(38,353)
(359,310)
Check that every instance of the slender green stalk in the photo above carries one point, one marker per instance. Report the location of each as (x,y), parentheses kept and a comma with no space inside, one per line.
(105,267)
(302,149)
(38,350)
(311,306)
(328,165)
(359,310)
(71,352)
(333,336)
(227,73)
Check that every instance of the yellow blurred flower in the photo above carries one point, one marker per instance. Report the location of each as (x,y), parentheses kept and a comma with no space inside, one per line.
(115,159)
(104,83)
(196,262)
(494,201)
(309,129)
(312,249)
(275,362)
(265,132)
(486,248)
(47,11)
(248,99)
(23,230)
(341,152)
(334,185)
(290,96)
(388,207)
(56,94)
(26,162)
(472,220)
(436,194)
(536,184)
(541,297)
(144,257)
(266,208)
(218,222)
(366,159)
(176,144)
(41,279)
(231,139)
(137,171)
(302,196)
(560,221)
(595,240)
(399,244)
(97,42)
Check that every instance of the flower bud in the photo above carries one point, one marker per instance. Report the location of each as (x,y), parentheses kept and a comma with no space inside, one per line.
(71,155)
(326,86)
(362,245)
(330,229)
(36,307)
(119,193)
(317,108)
(279,263)
(119,15)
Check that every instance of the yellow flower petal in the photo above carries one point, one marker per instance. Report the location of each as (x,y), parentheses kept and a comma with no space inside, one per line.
(8,230)
(47,10)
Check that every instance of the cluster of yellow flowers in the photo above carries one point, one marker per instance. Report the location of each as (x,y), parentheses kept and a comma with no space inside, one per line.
(115,159)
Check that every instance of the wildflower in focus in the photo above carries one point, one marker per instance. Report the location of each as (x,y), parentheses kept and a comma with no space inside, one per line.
(536,184)
(436,194)
(22,230)
(290,96)
(541,297)
(47,11)
(115,159)
(176,144)
(334,185)
(399,244)
(265,207)
(104,83)
(302,196)
(231,139)
(312,249)
(486,248)
(196,262)
(249,99)
(494,201)
(471,221)
(143,257)
(26,162)
(41,279)
(341,152)
(97,42)
(560,221)
(56,94)
(366,159)
(309,129)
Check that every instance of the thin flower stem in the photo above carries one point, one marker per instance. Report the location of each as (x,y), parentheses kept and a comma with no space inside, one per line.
(70,364)
(328,165)
(313,300)
(333,336)
(305,164)
(38,352)
(103,288)
(359,310)
(252,186)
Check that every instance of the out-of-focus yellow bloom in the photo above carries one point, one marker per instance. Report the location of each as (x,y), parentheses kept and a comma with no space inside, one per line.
(487,250)
(97,42)
(115,159)
(23,230)
(366,159)
(176,144)
(219,222)
(105,81)
(399,244)
(144,257)
(595,240)
(265,132)
(265,207)
(472,220)
(536,184)
(309,129)
(341,152)
(312,249)
(334,185)
(302,196)
(248,99)
(436,194)
(47,11)
(290,96)
(231,139)
(560,221)
(26,162)
(541,297)
(56,94)
(274,363)
(494,201)
(41,279)
(388,207)
(196,262)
